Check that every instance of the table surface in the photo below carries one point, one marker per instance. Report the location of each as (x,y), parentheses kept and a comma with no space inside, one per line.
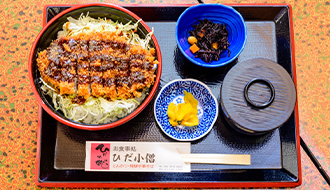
(21,21)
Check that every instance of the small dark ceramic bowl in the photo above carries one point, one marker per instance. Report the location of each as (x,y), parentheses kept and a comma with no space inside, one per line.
(49,33)
(216,13)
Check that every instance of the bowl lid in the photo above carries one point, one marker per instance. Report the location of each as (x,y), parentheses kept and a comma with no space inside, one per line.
(258,95)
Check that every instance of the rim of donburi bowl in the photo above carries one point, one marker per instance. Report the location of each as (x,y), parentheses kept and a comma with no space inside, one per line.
(79,125)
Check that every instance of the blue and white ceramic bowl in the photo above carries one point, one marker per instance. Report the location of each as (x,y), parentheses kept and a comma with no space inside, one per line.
(174,92)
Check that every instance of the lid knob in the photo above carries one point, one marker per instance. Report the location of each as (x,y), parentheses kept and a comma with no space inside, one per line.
(255,103)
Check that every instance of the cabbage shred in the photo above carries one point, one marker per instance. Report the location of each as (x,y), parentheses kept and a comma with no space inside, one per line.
(88,24)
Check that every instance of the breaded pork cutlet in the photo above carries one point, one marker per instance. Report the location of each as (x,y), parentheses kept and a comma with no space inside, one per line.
(98,64)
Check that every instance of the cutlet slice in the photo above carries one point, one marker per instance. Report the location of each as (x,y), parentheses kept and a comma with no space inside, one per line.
(149,71)
(68,63)
(80,51)
(141,69)
(67,84)
(137,80)
(137,77)
(123,80)
(49,65)
(123,83)
(96,75)
(83,79)
(109,74)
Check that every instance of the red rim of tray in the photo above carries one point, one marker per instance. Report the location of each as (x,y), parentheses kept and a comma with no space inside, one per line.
(102,126)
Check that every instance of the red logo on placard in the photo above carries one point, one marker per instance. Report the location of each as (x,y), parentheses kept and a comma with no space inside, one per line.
(100,156)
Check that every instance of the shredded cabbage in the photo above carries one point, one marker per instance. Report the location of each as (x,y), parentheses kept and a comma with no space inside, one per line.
(94,110)
(88,24)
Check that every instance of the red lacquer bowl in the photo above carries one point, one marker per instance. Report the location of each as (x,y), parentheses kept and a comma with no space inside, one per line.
(49,33)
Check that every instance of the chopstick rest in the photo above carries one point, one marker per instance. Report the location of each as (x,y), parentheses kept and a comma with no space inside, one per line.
(233,159)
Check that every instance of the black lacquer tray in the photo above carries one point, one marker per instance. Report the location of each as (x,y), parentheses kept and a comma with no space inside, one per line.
(275,157)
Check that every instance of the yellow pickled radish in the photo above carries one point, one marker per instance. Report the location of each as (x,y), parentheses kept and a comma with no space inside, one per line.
(184,113)
(189,98)
(192,121)
(185,109)
(171,114)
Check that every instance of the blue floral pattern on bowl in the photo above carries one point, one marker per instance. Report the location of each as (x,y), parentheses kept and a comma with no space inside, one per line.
(174,92)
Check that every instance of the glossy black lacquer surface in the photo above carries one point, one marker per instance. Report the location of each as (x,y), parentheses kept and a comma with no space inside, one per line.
(274,156)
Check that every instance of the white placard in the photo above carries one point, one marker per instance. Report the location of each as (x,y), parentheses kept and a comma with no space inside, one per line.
(136,156)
